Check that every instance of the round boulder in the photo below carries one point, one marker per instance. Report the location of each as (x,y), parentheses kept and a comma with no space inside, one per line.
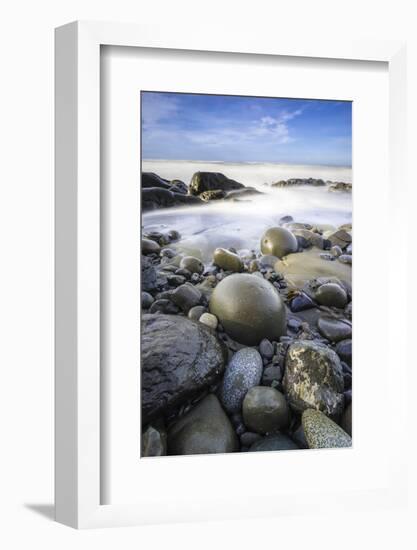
(331,294)
(278,241)
(249,308)
(205,429)
(323,433)
(313,378)
(229,261)
(265,410)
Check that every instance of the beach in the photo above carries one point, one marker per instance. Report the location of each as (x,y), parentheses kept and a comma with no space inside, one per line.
(246,307)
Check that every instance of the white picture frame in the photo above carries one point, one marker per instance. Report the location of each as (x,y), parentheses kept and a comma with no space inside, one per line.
(78,321)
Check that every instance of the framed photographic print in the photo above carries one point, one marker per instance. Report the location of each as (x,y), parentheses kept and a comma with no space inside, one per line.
(218,352)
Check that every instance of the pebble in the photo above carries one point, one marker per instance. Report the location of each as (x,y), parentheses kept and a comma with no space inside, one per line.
(192,264)
(150,247)
(265,410)
(153,442)
(336,251)
(278,241)
(249,438)
(163,306)
(331,294)
(301,302)
(270,375)
(175,280)
(196,312)
(209,320)
(186,296)
(344,351)
(266,349)
(345,259)
(334,329)
(147,300)
(227,260)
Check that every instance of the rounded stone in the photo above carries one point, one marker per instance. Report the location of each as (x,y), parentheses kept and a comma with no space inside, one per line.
(331,294)
(242,373)
(205,429)
(229,261)
(265,410)
(154,442)
(150,247)
(209,320)
(192,264)
(344,351)
(334,330)
(147,300)
(266,349)
(323,433)
(313,378)
(186,296)
(278,241)
(249,308)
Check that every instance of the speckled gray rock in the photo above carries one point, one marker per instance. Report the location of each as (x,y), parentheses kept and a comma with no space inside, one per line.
(313,378)
(249,308)
(331,294)
(154,442)
(205,429)
(150,247)
(229,261)
(180,358)
(186,296)
(147,300)
(194,265)
(323,433)
(265,410)
(242,373)
(278,241)
(276,442)
(334,329)
(209,320)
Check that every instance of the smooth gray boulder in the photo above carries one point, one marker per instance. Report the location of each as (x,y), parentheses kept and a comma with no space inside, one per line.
(249,308)
(180,359)
(265,410)
(205,429)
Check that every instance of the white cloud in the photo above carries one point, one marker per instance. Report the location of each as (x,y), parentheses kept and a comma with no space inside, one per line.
(157,108)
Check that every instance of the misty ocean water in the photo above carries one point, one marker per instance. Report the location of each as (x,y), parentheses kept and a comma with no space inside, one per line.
(241,223)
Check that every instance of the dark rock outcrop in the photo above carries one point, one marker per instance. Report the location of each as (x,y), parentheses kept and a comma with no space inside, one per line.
(209,181)
(180,359)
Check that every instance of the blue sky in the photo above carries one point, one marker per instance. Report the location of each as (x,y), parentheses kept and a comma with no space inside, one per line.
(246,129)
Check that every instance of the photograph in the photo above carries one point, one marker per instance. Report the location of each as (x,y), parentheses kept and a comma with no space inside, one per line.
(245,273)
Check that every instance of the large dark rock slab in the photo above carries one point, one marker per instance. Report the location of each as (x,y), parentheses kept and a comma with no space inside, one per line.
(158,197)
(208,181)
(180,358)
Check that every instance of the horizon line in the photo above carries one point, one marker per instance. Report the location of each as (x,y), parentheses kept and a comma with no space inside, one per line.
(246,162)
